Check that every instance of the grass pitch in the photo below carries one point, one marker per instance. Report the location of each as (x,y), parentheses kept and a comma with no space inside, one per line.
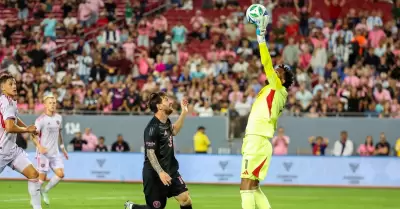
(68,195)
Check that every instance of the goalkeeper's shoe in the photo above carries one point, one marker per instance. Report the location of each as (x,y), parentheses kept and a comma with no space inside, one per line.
(128,205)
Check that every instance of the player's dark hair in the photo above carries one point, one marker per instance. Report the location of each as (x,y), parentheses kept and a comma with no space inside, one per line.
(155,99)
(5,77)
(289,76)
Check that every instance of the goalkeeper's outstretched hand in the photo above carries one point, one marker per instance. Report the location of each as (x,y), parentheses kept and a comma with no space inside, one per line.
(262,25)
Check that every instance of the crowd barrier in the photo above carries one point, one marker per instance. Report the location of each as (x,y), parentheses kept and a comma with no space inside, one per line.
(215,169)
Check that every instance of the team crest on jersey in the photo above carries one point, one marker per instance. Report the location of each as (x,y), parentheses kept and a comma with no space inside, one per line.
(42,165)
(58,122)
(156,204)
(165,133)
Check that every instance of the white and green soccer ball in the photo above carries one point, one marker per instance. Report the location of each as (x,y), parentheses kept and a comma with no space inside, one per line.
(255,12)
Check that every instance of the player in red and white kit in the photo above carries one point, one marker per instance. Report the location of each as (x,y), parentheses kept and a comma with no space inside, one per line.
(10,154)
(49,126)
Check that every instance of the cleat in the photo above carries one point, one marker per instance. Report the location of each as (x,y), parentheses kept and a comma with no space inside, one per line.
(45,197)
(128,204)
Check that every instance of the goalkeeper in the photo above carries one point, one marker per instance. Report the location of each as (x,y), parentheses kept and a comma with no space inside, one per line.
(261,125)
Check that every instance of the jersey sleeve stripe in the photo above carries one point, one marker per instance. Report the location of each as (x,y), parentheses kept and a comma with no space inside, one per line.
(270,99)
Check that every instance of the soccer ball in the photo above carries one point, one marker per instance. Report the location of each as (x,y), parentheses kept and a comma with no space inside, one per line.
(255,12)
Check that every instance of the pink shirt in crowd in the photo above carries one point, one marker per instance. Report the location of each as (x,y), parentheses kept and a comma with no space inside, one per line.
(212,56)
(145,29)
(143,66)
(183,56)
(366,150)
(23,106)
(84,12)
(160,23)
(224,53)
(353,81)
(305,59)
(91,142)
(129,49)
(280,145)
(95,5)
(384,95)
(39,108)
(49,46)
(236,96)
(197,22)
(375,36)
(317,42)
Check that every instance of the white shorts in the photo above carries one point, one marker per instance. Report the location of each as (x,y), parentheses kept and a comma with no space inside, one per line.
(44,163)
(18,161)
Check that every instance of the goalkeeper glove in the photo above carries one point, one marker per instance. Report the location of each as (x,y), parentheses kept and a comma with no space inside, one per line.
(262,28)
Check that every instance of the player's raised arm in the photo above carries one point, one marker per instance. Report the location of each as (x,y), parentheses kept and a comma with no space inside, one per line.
(179,123)
(266,60)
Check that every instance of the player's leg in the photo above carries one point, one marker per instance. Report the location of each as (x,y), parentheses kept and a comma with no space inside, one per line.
(57,165)
(155,193)
(178,189)
(256,152)
(43,165)
(23,165)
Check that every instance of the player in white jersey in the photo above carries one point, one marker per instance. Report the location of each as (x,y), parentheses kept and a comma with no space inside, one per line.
(10,154)
(49,126)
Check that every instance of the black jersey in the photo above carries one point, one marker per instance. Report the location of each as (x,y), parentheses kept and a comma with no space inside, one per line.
(158,136)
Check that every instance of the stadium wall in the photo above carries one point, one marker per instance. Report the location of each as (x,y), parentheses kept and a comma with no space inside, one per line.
(298,129)
(225,169)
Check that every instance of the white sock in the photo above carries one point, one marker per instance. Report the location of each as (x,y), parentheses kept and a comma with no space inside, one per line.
(52,183)
(261,200)
(248,199)
(34,191)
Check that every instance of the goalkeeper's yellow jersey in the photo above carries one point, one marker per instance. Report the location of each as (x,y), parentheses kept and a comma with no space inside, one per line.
(270,101)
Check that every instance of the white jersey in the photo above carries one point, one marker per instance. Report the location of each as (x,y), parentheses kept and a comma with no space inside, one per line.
(49,129)
(8,146)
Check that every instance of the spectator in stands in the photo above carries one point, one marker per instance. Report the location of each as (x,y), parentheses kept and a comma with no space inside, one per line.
(91,140)
(204,109)
(368,148)
(318,145)
(50,26)
(344,146)
(197,23)
(101,147)
(23,10)
(144,31)
(94,8)
(49,46)
(179,32)
(70,22)
(38,55)
(335,9)
(291,53)
(160,25)
(120,145)
(201,141)
(304,96)
(304,14)
(281,142)
(397,148)
(187,5)
(382,148)
(110,7)
(78,142)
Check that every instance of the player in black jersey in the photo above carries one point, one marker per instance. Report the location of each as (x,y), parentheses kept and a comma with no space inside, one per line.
(161,179)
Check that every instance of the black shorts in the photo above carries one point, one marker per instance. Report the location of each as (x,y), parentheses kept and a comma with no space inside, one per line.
(156,193)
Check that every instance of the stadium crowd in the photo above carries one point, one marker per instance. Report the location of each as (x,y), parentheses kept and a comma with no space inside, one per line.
(345,65)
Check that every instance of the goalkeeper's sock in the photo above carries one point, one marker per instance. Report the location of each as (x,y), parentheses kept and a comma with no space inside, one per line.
(261,200)
(186,207)
(248,199)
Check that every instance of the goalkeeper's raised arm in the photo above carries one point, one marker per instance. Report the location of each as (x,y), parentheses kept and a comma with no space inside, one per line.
(282,76)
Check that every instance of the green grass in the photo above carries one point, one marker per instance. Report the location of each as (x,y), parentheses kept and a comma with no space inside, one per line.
(68,195)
